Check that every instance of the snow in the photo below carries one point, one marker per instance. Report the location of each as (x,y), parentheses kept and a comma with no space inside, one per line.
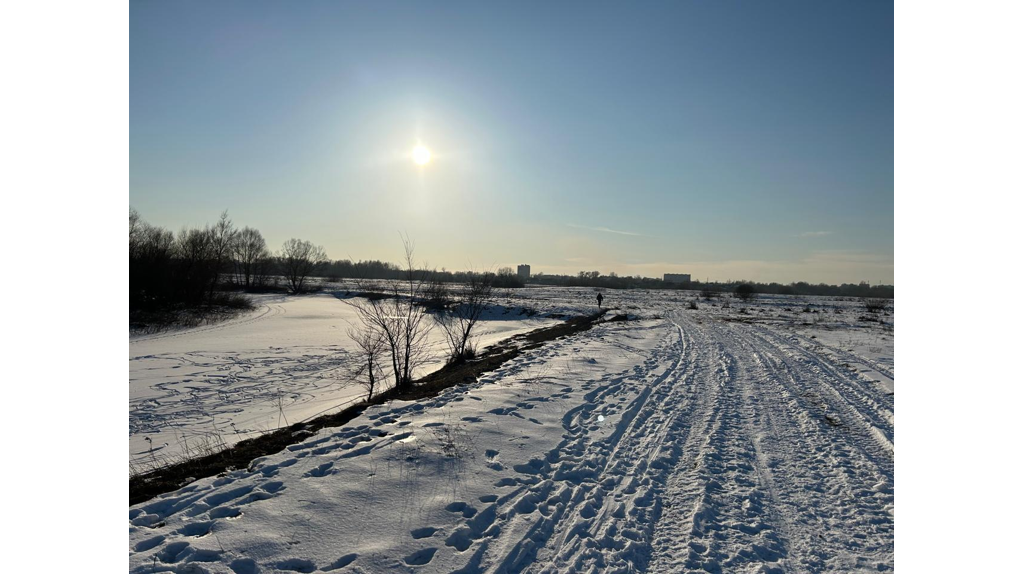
(749,438)
(286,362)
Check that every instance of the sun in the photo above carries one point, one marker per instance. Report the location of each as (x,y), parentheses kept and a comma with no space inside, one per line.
(421,155)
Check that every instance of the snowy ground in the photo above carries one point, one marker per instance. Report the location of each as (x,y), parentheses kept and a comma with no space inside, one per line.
(285,362)
(733,438)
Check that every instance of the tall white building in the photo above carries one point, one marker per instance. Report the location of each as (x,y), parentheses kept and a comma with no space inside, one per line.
(677,278)
(523,272)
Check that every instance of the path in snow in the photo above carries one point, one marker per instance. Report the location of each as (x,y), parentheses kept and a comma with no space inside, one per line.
(687,443)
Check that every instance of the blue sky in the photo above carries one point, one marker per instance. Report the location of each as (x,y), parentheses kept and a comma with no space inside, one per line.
(724,139)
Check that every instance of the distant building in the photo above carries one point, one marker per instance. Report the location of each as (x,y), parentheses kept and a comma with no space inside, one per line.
(677,278)
(523,272)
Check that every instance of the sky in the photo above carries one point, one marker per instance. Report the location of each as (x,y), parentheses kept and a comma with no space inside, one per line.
(728,140)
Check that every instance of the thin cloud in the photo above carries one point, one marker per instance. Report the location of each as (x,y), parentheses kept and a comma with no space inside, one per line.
(607,230)
(815,234)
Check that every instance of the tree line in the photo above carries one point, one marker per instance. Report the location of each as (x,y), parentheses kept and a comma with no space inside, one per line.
(187,268)
(614,281)
(504,277)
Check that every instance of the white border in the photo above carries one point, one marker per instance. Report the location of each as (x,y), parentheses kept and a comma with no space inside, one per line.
(959,158)
(65,191)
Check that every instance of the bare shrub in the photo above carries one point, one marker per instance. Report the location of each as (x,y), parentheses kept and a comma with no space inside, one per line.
(876,305)
(707,293)
(399,320)
(452,439)
(436,294)
(371,346)
(745,292)
(458,318)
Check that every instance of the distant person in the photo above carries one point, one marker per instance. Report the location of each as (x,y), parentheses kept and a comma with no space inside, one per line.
(599,299)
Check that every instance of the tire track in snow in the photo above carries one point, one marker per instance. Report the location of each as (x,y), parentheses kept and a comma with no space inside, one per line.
(614,518)
(265,312)
(847,355)
(603,492)
(715,455)
(780,488)
(845,393)
(559,494)
(722,515)
(847,479)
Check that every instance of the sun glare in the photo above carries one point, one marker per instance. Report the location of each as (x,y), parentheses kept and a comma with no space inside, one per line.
(421,155)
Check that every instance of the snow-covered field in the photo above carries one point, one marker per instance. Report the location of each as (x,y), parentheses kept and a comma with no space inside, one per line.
(733,438)
(287,361)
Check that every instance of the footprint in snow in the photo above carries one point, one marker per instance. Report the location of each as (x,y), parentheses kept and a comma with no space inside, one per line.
(196,529)
(173,552)
(228,512)
(342,562)
(149,543)
(420,557)
(424,532)
(273,486)
(244,566)
(296,565)
(466,510)
(322,470)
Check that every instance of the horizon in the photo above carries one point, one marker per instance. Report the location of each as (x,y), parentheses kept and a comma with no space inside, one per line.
(720,141)
(535,272)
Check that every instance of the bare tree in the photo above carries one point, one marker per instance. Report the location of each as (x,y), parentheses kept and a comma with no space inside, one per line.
(265,267)
(399,319)
(136,227)
(876,305)
(222,246)
(458,318)
(150,254)
(250,251)
(194,251)
(371,345)
(299,260)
